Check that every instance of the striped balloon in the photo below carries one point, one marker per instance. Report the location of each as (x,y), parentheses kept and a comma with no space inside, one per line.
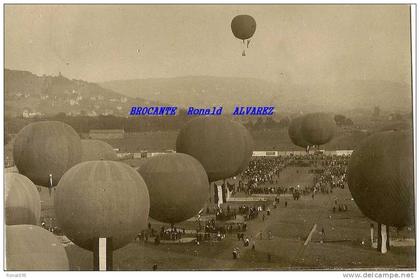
(295,132)
(93,150)
(381,177)
(30,247)
(318,128)
(101,199)
(178,186)
(44,148)
(249,147)
(22,200)
(217,142)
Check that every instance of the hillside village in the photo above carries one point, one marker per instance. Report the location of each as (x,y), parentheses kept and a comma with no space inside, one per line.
(30,96)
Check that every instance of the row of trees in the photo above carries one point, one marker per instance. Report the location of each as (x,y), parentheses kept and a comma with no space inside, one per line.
(83,124)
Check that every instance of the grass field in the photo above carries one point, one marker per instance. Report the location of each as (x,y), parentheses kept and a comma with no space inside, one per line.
(346,245)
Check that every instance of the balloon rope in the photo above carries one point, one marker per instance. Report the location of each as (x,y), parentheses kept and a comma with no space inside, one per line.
(243,48)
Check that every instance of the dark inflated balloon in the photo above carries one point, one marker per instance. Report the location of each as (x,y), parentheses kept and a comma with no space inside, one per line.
(21,201)
(178,186)
(30,247)
(243,26)
(295,132)
(101,199)
(44,148)
(318,128)
(380,177)
(93,150)
(216,142)
(249,146)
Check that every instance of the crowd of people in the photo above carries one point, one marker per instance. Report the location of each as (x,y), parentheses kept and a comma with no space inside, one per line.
(332,175)
(261,176)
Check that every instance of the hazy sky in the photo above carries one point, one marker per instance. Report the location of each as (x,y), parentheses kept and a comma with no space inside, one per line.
(293,43)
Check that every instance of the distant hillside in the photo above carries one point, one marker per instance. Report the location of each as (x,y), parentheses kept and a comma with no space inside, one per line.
(208,91)
(199,91)
(48,95)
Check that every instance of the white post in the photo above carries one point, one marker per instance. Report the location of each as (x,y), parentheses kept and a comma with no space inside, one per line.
(371,236)
(102,254)
(219,194)
(384,237)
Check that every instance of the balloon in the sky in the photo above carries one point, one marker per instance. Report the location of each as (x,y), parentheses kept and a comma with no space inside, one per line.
(93,150)
(381,177)
(318,128)
(295,132)
(44,148)
(243,27)
(178,186)
(22,201)
(30,247)
(101,199)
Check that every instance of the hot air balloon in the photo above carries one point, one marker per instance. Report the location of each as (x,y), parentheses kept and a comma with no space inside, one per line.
(30,247)
(101,199)
(381,179)
(216,143)
(243,27)
(44,148)
(295,133)
(249,147)
(318,128)
(22,200)
(93,150)
(177,186)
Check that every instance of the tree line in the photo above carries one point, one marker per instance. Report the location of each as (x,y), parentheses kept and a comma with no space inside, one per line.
(133,124)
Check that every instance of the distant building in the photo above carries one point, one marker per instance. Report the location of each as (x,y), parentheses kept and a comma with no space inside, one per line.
(92,113)
(106,134)
(28,113)
(73,113)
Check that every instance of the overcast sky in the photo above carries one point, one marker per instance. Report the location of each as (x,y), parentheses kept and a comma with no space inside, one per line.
(293,43)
